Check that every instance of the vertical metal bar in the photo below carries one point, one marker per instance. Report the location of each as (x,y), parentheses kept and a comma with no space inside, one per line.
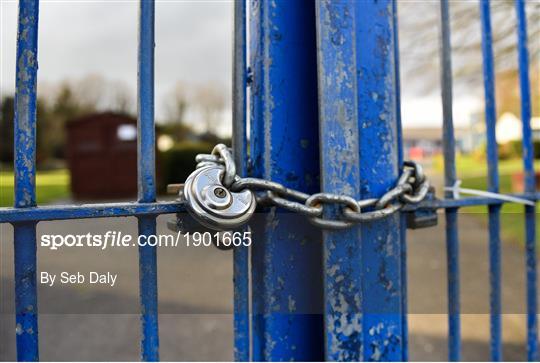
(530,185)
(148,292)
(493,183)
(287,256)
(25,292)
(382,323)
(26,309)
(146,129)
(239,143)
(452,259)
(403,237)
(147,182)
(451,214)
(340,174)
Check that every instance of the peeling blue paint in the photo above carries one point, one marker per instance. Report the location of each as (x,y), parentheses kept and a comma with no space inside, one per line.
(379,169)
(493,182)
(451,214)
(339,147)
(286,258)
(146,154)
(25,181)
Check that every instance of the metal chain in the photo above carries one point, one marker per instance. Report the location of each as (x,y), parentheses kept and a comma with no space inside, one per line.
(411,188)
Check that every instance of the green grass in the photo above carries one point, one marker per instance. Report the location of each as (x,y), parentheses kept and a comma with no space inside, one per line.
(473,173)
(50,187)
(468,166)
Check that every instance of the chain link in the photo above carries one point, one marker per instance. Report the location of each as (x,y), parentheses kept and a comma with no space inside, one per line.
(411,188)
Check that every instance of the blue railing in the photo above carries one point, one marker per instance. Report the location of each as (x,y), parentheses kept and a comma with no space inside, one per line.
(494,209)
(530,184)
(26,309)
(26,214)
(336,62)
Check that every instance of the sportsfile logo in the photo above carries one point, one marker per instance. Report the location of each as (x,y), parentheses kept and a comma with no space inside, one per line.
(107,240)
(115,239)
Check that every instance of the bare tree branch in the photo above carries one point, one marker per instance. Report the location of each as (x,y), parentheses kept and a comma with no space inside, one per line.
(419,27)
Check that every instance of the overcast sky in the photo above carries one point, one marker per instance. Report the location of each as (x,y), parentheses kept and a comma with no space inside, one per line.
(193,45)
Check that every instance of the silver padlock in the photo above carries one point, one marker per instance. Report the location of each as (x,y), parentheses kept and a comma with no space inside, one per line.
(212,204)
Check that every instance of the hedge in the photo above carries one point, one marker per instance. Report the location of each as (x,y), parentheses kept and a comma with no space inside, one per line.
(513,149)
(177,163)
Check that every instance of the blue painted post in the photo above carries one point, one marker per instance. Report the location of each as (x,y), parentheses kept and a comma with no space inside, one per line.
(404,305)
(147,183)
(451,214)
(530,185)
(493,183)
(239,143)
(340,174)
(287,253)
(26,309)
(383,318)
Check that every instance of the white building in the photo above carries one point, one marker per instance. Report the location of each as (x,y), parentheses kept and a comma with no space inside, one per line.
(509,128)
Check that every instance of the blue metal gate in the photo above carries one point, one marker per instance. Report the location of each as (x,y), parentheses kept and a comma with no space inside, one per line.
(324,101)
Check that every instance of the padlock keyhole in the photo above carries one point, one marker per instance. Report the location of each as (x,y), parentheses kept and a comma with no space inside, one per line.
(217,197)
(220,192)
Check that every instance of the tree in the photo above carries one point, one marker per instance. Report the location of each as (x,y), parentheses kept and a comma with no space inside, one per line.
(419,24)
(121,98)
(6,129)
(508,93)
(49,133)
(210,101)
(65,104)
(89,92)
(177,103)
(58,104)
